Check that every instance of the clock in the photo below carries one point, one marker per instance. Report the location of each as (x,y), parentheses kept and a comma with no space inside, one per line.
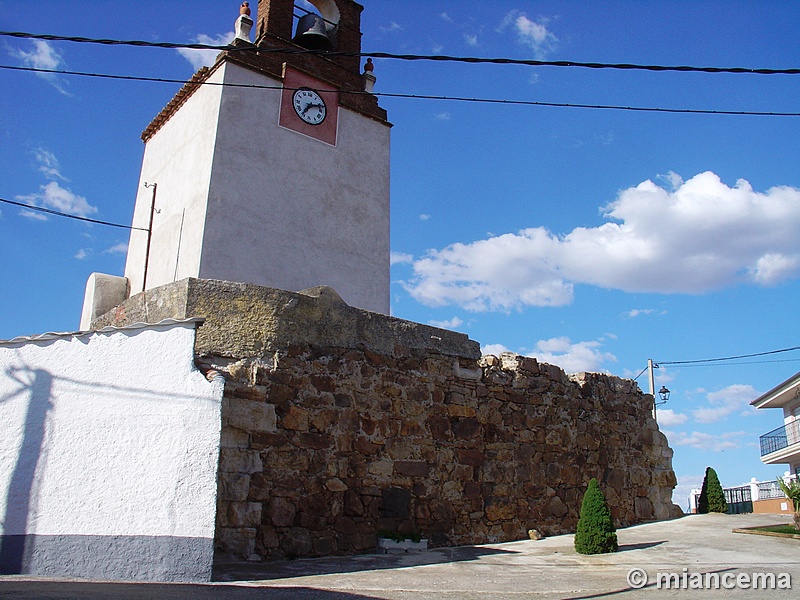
(309,106)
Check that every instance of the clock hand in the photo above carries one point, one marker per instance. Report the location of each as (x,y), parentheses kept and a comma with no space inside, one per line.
(312,105)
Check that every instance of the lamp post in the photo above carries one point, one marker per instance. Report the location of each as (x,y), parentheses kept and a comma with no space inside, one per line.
(663,393)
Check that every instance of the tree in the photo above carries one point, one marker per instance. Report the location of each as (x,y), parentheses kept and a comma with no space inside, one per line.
(712,498)
(792,491)
(596,533)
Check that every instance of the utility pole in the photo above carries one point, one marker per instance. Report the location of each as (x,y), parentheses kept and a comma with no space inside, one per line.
(149,233)
(652,379)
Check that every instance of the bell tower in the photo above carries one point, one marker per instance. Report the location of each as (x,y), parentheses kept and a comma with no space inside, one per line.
(270,167)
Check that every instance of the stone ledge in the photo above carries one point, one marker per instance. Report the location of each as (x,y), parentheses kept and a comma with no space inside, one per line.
(246,320)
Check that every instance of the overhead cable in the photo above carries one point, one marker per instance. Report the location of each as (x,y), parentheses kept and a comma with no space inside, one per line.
(424,96)
(50,211)
(727,358)
(408,57)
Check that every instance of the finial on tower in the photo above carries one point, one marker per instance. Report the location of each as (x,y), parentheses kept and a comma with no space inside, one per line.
(368,77)
(244,23)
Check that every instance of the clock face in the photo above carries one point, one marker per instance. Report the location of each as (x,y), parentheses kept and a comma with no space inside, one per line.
(309,106)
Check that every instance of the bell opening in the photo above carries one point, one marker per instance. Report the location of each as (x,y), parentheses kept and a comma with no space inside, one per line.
(312,33)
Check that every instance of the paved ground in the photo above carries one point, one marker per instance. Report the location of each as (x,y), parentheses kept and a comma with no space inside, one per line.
(541,570)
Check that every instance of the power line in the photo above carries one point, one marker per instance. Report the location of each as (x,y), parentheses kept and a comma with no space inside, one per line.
(727,358)
(735,364)
(408,57)
(425,96)
(69,216)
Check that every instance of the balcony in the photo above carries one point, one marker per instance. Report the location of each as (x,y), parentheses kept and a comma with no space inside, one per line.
(783,443)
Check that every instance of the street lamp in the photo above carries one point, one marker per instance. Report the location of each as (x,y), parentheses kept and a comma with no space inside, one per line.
(663,394)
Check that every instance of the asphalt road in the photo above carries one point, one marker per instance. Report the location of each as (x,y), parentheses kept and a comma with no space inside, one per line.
(690,548)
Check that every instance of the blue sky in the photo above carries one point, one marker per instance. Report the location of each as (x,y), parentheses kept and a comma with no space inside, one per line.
(592,239)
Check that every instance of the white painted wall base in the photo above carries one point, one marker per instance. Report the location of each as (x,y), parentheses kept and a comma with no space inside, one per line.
(109,454)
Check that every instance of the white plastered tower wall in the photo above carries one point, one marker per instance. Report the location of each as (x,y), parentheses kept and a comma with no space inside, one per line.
(178,159)
(240,198)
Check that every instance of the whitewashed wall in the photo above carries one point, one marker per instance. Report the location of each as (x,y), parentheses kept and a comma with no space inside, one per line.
(108,457)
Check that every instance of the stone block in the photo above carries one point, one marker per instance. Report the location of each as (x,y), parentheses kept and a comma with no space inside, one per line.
(295,419)
(281,512)
(643,508)
(249,415)
(439,427)
(459,410)
(297,542)
(336,485)
(411,468)
(474,458)
(317,441)
(381,468)
(239,461)
(238,541)
(234,486)
(556,507)
(395,503)
(243,514)
(465,428)
(366,447)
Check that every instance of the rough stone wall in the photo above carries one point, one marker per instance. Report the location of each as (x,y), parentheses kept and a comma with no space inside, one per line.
(324,447)
(338,423)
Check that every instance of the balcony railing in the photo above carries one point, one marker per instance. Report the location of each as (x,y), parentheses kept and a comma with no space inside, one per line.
(780,438)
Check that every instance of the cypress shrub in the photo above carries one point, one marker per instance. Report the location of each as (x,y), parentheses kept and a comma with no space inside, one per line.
(712,498)
(596,533)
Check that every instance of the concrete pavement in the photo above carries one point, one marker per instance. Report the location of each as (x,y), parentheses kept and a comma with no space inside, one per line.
(544,569)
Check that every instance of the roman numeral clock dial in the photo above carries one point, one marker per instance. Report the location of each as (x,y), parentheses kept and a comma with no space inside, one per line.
(309,106)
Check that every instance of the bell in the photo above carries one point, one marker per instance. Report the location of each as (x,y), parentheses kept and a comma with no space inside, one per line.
(312,34)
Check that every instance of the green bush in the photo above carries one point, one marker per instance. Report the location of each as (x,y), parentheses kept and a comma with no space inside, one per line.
(712,498)
(596,533)
(792,491)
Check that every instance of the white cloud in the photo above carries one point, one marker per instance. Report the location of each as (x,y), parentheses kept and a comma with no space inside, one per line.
(205,58)
(471,40)
(443,116)
(669,418)
(773,268)
(84,253)
(446,17)
(393,26)
(453,323)
(672,179)
(424,217)
(48,164)
(43,56)
(120,248)
(400,258)
(704,441)
(734,398)
(32,214)
(61,199)
(702,236)
(560,351)
(636,312)
(531,33)
(493,349)
(573,358)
